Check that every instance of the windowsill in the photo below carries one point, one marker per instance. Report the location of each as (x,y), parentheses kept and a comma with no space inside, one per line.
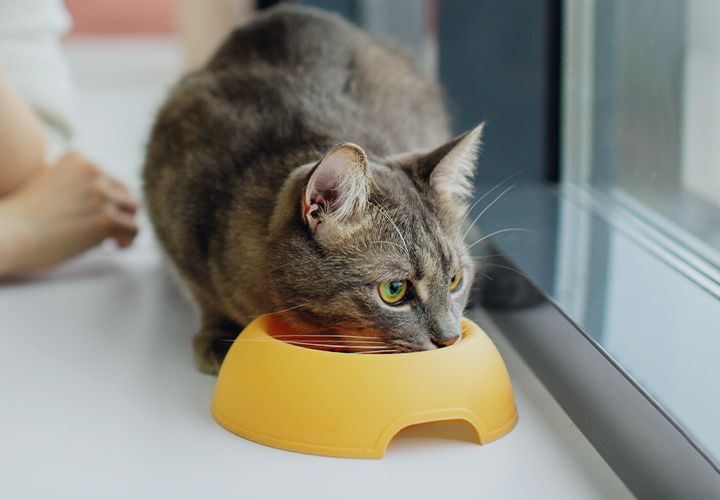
(606,286)
(102,397)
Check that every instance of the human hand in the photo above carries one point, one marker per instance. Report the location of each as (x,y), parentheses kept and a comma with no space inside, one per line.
(61,212)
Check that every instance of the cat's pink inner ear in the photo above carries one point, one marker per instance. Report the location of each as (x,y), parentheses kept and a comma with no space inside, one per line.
(328,177)
(338,186)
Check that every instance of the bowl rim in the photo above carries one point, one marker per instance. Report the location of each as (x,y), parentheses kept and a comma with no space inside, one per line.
(469,334)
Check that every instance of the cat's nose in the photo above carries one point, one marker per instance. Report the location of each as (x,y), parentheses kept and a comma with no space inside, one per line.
(446,341)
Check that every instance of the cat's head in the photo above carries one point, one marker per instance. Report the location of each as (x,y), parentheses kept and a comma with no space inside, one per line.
(374,248)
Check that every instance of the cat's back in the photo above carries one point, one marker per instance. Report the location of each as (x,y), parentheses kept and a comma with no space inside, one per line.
(289,37)
(295,81)
(314,70)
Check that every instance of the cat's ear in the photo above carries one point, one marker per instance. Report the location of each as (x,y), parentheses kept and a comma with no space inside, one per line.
(337,189)
(448,169)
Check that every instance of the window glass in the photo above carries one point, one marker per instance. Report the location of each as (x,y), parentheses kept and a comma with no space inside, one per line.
(639,260)
(643,114)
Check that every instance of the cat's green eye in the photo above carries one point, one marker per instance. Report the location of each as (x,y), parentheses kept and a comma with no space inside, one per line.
(456,281)
(393,292)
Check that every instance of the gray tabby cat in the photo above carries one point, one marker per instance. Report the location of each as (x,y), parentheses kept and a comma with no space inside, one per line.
(306,170)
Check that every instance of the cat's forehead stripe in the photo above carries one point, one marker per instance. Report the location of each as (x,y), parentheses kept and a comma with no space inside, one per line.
(432,253)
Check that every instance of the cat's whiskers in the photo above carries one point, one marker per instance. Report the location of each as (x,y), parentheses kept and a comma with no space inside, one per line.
(329,340)
(311,343)
(335,346)
(344,348)
(467,212)
(299,306)
(504,192)
(392,351)
(327,333)
(402,345)
(321,334)
(484,275)
(333,339)
(499,231)
(519,273)
(483,257)
(355,344)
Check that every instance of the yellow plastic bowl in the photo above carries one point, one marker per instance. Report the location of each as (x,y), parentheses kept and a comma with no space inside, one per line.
(351,405)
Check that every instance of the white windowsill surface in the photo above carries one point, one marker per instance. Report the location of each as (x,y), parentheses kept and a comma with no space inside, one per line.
(100,398)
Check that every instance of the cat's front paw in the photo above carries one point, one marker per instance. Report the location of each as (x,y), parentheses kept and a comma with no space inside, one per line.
(210,348)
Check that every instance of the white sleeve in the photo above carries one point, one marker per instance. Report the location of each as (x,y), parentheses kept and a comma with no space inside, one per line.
(31,53)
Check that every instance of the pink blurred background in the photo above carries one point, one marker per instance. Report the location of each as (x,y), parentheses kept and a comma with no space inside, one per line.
(123,16)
